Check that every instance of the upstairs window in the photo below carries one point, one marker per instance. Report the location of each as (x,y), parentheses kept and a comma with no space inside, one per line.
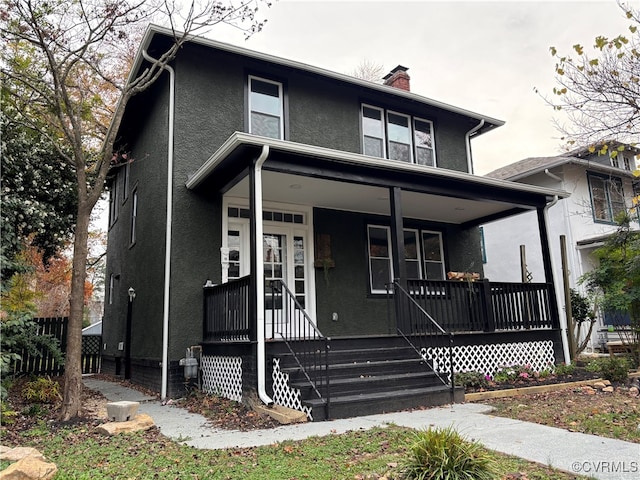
(373,131)
(134,217)
(397,136)
(114,206)
(266,109)
(607,197)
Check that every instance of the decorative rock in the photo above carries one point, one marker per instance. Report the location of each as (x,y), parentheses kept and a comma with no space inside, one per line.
(589,390)
(122,411)
(599,385)
(606,382)
(634,391)
(32,467)
(607,389)
(18,453)
(282,414)
(140,422)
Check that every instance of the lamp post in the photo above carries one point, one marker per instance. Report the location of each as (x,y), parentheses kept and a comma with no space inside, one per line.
(127,342)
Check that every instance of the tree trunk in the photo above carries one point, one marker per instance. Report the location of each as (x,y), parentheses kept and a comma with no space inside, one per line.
(71,402)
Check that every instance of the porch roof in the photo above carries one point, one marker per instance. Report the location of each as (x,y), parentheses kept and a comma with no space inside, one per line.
(303,174)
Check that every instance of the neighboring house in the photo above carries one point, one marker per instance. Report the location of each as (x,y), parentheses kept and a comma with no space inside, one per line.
(601,186)
(309,226)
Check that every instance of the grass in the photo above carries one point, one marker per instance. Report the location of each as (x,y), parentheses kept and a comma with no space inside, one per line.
(81,454)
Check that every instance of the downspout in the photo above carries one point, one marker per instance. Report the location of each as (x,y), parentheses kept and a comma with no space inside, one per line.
(467,139)
(169,222)
(561,318)
(261,360)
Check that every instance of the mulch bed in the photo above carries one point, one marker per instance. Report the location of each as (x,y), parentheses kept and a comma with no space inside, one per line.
(579,375)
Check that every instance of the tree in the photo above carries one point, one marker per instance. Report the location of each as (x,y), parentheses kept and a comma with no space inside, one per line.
(600,91)
(616,279)
(582,315)
(65,59)
(369,70)
(38,189)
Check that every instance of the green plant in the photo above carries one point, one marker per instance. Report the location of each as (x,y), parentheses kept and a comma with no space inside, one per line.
(7,414)
(563,369)
(444,454)
(614,369)
(42,390)
(472,379)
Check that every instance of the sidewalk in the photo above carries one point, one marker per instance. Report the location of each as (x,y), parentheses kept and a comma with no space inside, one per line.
(598,457)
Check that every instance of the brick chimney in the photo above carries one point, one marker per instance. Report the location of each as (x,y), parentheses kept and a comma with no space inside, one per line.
(398,78)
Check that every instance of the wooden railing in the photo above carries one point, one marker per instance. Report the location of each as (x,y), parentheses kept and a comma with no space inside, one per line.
(485,306)
(226,311)
(423,332)
(307,345)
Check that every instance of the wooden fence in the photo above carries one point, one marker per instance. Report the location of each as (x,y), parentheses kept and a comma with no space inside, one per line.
(47,364)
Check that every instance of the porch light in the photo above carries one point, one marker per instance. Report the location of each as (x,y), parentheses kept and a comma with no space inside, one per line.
(132,294)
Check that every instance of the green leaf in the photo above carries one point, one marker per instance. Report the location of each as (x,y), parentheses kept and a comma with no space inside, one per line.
(553,51)
(601,42)
(593,62)
(578,48)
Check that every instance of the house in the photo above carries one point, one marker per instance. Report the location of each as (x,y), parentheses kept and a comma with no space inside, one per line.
(291,229)
(601,186)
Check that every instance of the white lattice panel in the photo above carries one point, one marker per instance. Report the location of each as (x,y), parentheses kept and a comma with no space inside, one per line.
(283,394)
(222,376)
(489,358)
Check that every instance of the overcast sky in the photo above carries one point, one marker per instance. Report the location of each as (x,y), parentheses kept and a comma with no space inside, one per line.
(486,57)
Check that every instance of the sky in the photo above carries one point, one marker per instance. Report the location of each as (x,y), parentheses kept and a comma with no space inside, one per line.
(482,56)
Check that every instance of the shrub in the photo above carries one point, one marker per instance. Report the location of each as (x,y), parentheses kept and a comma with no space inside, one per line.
(7,414)
(41,390)
(444,454)
(563,369)
(614,369)
(472,380)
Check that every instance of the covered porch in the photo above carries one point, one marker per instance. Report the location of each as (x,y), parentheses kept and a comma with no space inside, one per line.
(331,298)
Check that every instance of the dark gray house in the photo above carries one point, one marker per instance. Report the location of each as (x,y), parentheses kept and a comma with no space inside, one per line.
(295,228)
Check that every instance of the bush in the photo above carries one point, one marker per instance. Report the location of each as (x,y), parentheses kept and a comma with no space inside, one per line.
(614,369)
(444,454)
(41,390)
(563,369)
(7,414)
(472,380)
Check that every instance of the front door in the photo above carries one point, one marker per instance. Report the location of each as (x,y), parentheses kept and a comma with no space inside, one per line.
(286,253)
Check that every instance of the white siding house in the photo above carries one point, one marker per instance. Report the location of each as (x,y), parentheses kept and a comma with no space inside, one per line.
(599,187)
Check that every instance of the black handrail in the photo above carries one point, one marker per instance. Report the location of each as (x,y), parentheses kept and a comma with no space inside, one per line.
(416,326)
(308,346)
(226,311)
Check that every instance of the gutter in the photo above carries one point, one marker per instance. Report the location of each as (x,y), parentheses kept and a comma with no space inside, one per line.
(169,222)
(261,350)
(562,318)
(467,143)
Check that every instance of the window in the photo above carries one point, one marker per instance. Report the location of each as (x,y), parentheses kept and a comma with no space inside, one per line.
(422,250)
(125,182)
(112,285)
(373,131)
(134,215)
(607,197)
(266,108)
(114,206)
(397,136)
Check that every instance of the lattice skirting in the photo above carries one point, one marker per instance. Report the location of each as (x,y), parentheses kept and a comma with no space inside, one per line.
(491,357)
(222,376)
(285,395)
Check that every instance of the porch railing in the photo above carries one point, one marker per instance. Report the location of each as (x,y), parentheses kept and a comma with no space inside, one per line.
(226,311)
(485,306)
(308,346)
(422,332)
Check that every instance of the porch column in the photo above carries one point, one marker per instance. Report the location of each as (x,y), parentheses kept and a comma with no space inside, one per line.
(397,236)
(547,263)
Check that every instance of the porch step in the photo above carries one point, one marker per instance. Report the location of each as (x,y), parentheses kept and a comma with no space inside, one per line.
(373,383)
(367,376)
(346,406)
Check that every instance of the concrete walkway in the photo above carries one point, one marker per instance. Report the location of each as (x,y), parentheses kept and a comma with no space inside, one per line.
(597,457)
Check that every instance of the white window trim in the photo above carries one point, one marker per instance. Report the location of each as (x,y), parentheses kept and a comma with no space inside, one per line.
(384,114)
(433,139)
(421,260)
(383,119)
(410,127)
(134,216)
(280,97)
